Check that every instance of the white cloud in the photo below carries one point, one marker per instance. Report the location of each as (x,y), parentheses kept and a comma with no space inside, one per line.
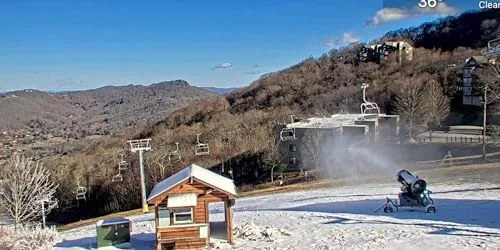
(346,38)
(387,15)
(349,38)
(223,66)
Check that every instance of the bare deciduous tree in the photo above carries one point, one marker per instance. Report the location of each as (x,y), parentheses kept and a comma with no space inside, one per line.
(273,157)
(436,104)
(311,147)
(159,162)
(24,187)
(489,76)
(408,104)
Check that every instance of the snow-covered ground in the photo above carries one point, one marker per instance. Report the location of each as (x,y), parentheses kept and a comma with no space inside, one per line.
(467,217)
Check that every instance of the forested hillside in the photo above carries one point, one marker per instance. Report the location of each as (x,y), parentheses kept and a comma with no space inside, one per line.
(239,127)
(472,30)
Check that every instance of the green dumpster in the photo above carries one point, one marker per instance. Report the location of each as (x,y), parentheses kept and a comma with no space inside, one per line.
(112,232)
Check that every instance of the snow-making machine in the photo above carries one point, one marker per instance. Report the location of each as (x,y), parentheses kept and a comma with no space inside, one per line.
(414,193)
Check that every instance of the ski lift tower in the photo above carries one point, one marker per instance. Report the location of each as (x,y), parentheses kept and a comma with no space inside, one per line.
(141,145)
(51,204)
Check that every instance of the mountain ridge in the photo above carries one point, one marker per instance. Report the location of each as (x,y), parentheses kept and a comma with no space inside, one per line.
(63,113)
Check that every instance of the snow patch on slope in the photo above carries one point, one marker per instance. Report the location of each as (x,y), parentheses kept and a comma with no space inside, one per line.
(253,232)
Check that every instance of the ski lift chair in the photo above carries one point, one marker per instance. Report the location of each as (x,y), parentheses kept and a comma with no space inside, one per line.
(287,134)
(493,48)
(201,148)
(123,164)
(174,154)
(81,192)
(117,177)
(366,107)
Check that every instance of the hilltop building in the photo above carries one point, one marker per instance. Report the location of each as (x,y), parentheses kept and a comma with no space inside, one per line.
(378,52)
(471,93)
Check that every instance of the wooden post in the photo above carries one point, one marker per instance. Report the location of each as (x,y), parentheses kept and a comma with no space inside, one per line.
(157,223)
(207,214)
(207,220)
(229,221)
(484,122)
(157,220)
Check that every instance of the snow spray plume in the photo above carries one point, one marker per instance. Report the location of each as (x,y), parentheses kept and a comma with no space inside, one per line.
(348,156)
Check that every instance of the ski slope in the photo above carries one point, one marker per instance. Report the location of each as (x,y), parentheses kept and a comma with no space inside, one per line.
(467,217)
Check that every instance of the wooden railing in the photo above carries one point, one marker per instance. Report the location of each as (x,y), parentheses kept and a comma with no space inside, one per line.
(458,139)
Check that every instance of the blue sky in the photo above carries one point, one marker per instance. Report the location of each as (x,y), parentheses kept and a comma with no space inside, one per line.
(67,45)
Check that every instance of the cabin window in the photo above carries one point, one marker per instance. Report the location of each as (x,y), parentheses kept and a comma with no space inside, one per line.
(292,148)
(293,160)
(183,215)
(163,217)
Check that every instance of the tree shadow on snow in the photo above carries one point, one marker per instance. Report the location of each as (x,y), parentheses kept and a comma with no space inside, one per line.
(438,228)
(340,196)
(143,241)
(85,243)
(483,213)
(394,194)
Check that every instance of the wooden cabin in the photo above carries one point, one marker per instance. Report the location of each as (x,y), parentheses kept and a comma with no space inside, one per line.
(182,204)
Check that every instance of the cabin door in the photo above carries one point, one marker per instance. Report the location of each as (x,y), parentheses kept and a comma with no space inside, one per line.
(217,220)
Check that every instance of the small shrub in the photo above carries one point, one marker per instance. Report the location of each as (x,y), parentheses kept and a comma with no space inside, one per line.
(25,237)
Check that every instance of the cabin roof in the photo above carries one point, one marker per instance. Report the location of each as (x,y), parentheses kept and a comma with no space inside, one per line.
(112,221)
(217,181)
(334,121)
(475,60)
